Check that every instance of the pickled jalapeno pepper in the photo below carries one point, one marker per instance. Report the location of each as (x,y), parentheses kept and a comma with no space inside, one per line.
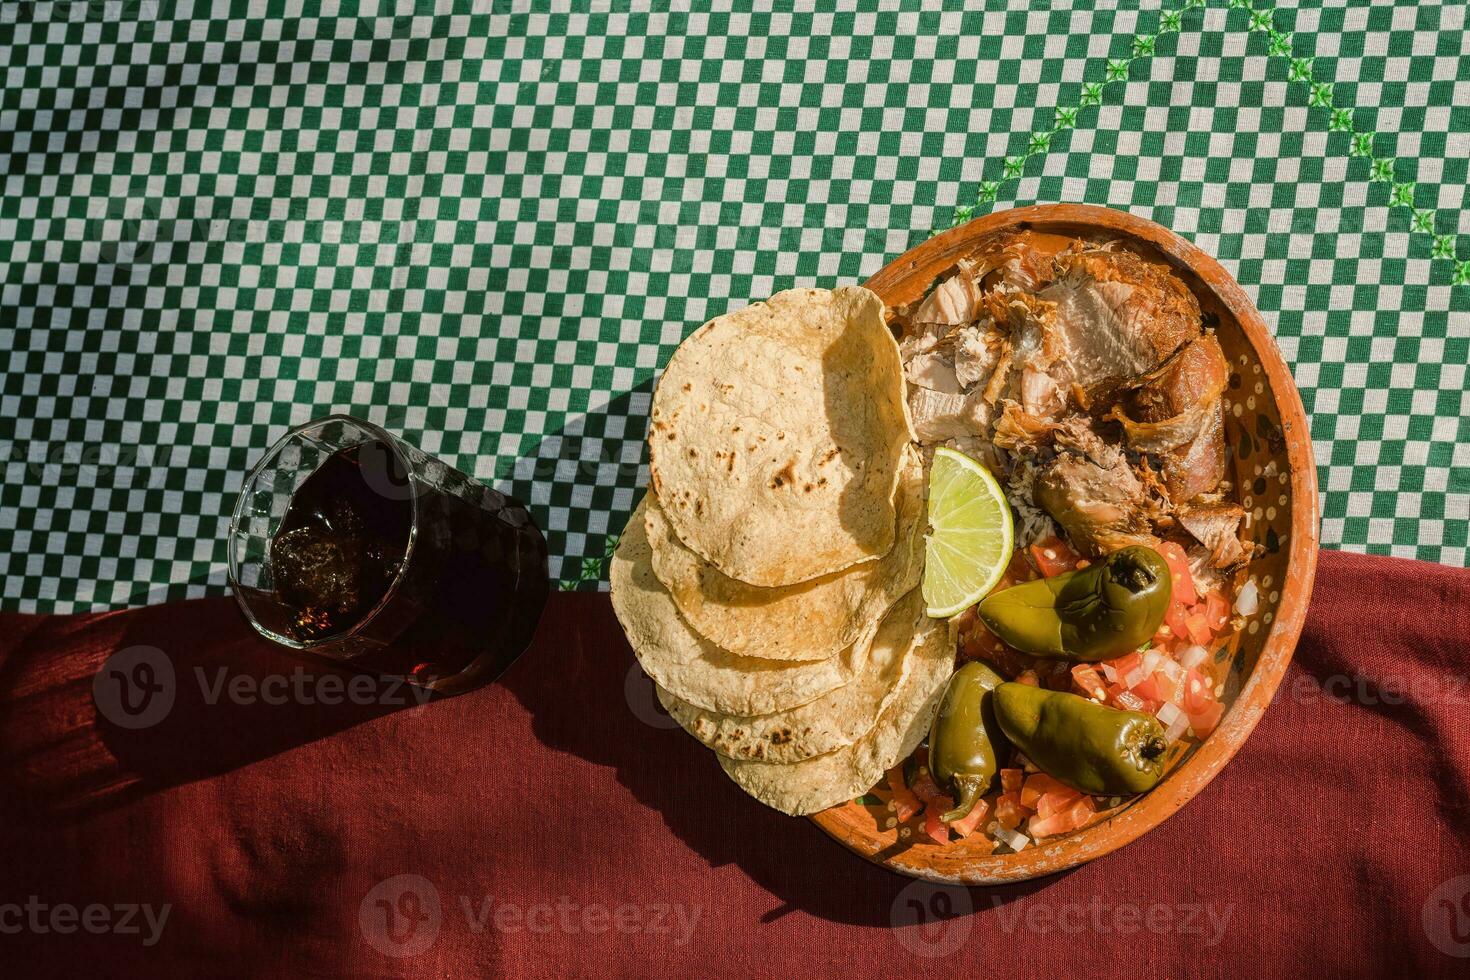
(1090,747)
(1095,613)
(965,742)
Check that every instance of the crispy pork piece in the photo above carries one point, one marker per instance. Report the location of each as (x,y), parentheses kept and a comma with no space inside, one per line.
(1216,525)
(1018,431)
(1016,265)
(1176,414)
(933,371)
(938,416)
(1117,316)
(1202,570)
(955,301)
(977,351)
(1091,491)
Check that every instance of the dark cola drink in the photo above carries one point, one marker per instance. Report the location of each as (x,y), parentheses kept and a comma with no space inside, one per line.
(341,545)
(391,560)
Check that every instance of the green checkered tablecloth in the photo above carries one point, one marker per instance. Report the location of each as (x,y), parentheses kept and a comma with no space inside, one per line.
(486,224)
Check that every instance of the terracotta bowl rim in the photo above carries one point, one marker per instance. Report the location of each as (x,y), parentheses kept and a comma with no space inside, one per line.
(1184,783)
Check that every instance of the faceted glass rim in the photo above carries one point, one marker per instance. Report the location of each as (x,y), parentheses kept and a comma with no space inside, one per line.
(242,503)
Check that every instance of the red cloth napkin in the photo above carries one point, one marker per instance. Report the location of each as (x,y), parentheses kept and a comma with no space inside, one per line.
(555,823)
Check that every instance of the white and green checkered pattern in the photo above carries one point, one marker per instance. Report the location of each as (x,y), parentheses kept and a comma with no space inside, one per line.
(485,225)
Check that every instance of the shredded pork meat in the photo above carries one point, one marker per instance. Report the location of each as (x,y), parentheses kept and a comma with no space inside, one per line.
(1085,378)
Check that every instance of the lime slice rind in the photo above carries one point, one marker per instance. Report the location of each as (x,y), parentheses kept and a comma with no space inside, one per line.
(971,534)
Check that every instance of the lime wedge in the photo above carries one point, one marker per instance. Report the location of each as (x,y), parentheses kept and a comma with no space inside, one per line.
(970,537)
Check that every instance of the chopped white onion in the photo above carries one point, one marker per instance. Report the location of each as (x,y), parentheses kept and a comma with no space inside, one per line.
(1193,656)
(1013,839)
(1111,673)
(1249,599)
(1134,677)
(1171,669)
(1168,711)
(1151,662)
(1176,728)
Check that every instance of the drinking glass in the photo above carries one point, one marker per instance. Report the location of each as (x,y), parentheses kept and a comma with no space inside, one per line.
(349,543)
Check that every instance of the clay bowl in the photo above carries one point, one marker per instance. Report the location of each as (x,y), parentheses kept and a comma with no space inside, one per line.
(1275,480)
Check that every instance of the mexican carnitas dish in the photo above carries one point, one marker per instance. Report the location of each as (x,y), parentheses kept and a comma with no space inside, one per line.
(972,561)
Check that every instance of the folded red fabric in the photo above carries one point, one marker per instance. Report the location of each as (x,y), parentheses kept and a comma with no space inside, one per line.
(276,818)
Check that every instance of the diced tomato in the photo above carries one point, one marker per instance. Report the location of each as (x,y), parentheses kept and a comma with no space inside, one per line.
(1029,795)
(1039,785)
(1012,779)
(1129,701)
(1166,687)
(1217,611)
(1148,688)
(1197,625)
(1125,664)
(1053,557)
(926,789)
(905,803)
(1057,801)
(966,825)
(1174,621)
(1184,591)
(1203,722)
(1028,677)
(1081,812)
(935,828)
(1089,682)
(1198,694)
(1057,823)
(1008,810)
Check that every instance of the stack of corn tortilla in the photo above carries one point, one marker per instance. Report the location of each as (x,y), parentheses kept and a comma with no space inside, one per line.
(768,583)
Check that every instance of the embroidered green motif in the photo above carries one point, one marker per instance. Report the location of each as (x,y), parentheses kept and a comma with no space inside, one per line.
(592,569)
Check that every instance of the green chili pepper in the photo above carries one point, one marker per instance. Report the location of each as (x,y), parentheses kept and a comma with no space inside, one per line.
(965,740)
(1088,746)
(1096,613)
